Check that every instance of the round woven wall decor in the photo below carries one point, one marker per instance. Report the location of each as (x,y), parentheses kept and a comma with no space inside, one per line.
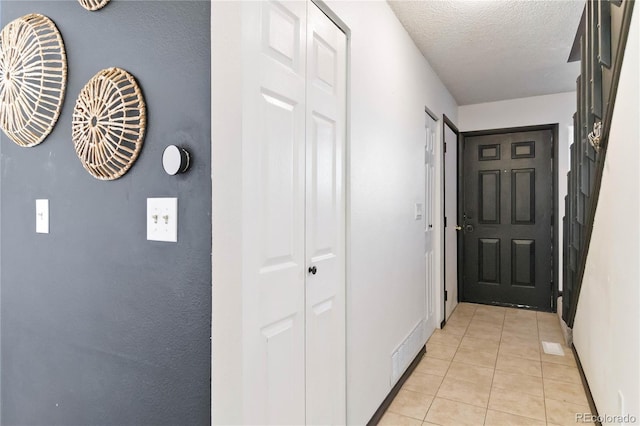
(93,5)
(109,122)
(33,78)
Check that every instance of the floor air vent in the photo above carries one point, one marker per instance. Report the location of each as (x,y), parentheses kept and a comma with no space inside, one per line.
(552,348)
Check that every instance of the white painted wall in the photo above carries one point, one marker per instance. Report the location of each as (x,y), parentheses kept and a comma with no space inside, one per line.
(606,330)
(226,176)
(391,83)
(548,109)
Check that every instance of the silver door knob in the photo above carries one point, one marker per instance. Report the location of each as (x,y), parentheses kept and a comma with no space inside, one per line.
(458,228)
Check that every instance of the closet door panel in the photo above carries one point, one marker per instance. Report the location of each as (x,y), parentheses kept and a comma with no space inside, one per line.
(274,212)
(325,220)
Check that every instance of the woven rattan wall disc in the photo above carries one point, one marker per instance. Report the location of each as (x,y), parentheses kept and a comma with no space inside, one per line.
(109,122)
(93,4)
(33,78)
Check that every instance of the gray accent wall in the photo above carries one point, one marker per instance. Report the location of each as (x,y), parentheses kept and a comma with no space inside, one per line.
(99,326)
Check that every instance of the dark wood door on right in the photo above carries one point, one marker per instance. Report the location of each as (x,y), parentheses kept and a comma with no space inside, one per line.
(508,211)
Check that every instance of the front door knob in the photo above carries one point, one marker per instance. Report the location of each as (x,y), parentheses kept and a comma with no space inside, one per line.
(313,270)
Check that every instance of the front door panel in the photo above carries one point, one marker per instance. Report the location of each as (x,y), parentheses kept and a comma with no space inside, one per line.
(508,211)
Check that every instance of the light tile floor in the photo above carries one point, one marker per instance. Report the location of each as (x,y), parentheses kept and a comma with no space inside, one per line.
(487,367)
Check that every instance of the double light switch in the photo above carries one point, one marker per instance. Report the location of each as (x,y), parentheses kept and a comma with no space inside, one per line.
(162,219)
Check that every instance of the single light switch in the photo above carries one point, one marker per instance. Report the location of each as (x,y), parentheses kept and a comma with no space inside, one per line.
(162,219)
(42,216)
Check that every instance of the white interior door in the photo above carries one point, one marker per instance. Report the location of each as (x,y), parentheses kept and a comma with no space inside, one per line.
(274,212)
(429,232)
(325,236)
(451,213)
(294,215)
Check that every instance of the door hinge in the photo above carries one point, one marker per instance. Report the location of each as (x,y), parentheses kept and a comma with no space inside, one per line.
(445,147)
(445,221)
(446,295)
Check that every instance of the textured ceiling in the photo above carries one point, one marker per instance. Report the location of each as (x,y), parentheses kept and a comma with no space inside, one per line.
(488,50)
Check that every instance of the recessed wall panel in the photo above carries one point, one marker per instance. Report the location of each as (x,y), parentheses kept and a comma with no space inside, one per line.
(325,64)
(279,351)
(523,149)
(280,180)
(323,195)
(489,260)
(281,37)
(523,202)
(523,256)
(489,197)
(489,152)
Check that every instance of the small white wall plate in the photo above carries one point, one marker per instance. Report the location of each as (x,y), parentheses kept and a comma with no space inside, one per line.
(162,219)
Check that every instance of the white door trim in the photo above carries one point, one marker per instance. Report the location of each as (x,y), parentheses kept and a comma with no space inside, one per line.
(450,282)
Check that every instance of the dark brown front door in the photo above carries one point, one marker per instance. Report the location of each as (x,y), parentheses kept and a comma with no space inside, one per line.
(508,209)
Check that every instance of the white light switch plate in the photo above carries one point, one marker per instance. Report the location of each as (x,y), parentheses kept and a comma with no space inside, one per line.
(418,211)
(42,216)
(162,219)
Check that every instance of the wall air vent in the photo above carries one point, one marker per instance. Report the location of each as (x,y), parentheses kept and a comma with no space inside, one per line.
(406,352)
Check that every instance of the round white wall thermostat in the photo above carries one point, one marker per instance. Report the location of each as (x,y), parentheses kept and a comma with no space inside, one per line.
(175,160)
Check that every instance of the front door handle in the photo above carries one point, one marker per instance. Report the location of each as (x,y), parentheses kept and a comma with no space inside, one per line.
(458,228)
(313,270)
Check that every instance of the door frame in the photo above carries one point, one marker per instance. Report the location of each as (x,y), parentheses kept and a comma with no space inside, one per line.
(555,243)
(446,122)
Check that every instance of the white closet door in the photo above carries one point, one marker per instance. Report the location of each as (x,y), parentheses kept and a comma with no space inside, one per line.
(294,215)
(430,197)
(325,236)
(274,212)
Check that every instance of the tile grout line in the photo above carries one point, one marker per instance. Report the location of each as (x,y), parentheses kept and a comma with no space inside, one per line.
(445,374)
(424,419)
(544,394)
(519,357)
(495,365)
(475,319)
(459,402)
(491,384)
